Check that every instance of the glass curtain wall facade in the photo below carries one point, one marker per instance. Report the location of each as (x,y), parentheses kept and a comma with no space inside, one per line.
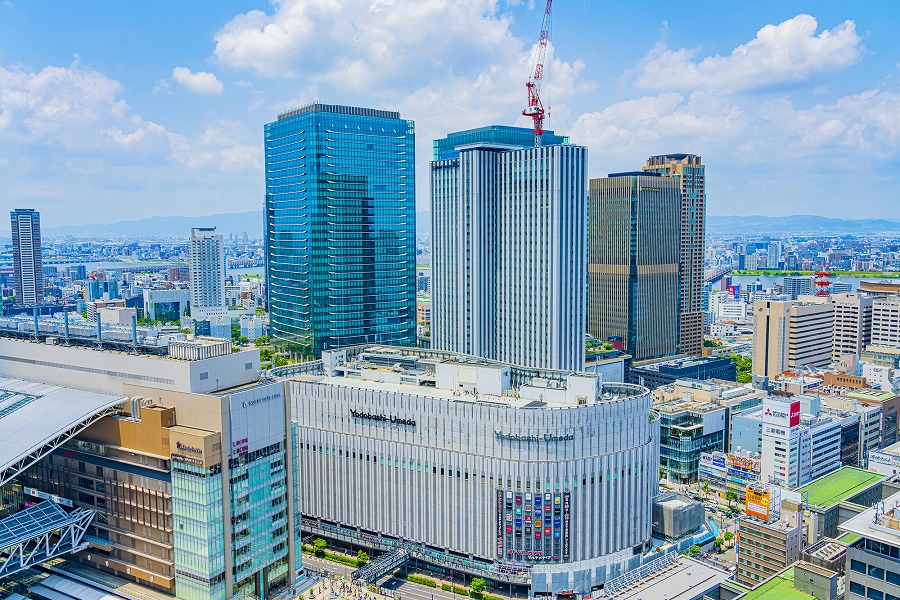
(633,261)
(340,228)
(259,520)
(199,534)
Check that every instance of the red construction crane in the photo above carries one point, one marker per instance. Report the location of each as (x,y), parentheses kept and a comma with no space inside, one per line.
(535,108)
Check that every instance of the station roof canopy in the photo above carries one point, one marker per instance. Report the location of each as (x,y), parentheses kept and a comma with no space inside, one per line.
(35,418)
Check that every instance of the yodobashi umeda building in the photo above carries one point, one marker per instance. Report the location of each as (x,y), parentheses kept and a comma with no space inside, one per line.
(530,478)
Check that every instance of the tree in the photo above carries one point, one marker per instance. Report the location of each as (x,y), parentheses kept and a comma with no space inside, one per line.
(695,551)
(478,585)
(362,558)
(244,339)
(705,488)
(185,330)
(731,496)
(720,541)
(260,311)
(319,546)
(728,536)
(261,341)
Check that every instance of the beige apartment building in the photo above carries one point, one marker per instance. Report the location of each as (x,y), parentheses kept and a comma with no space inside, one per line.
(852,324)
(690,174)
(790,335)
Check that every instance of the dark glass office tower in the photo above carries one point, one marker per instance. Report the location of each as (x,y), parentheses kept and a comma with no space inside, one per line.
(340,228)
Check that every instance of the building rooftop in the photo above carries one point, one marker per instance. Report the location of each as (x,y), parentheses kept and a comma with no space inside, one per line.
(681,362)
(849,538)
(36,417)
(681,580)
(779,587)
(457,377)
(341,110)
(837,487)
(881,523)
(869,395)
(827,549)
(497,135)
(679,405)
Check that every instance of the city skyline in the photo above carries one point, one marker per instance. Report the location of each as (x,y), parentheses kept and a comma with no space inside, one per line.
(179,108)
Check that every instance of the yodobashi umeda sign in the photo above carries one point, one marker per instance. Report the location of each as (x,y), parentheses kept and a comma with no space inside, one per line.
(393,419)
(257,417)
(534,437)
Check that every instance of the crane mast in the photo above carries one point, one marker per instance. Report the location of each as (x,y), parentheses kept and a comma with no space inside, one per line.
(535,108)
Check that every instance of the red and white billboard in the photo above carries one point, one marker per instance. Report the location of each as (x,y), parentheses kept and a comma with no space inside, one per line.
(783,413)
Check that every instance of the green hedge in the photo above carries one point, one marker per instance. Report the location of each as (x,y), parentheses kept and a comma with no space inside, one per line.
(446,587)
(337,557)
(422,580)
(462,591)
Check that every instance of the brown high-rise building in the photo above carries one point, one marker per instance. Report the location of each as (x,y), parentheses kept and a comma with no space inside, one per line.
(691,174)
(633,226)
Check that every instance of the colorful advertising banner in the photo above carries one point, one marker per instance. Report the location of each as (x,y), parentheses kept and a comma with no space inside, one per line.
(758,503)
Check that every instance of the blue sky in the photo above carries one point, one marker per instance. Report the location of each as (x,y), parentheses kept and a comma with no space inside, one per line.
(120,110)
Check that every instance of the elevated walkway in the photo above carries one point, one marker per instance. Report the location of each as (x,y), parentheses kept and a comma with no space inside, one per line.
(39,533)
(495,571)
(386,563)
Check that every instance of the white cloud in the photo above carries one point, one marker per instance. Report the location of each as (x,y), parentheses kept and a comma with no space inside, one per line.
(788,52)
(200,82)
(367,45)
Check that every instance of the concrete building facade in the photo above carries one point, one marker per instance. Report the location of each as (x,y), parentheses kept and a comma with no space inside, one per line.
(690,174)
(852,324)
(206,253)
(28,278)
(508,272)
(789,335)
(549,474)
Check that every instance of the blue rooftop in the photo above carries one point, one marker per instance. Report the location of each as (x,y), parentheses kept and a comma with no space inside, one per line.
(521,137)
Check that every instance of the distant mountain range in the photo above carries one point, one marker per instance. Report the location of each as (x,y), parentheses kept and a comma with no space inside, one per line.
(798,224)
(251,222)
(226,223)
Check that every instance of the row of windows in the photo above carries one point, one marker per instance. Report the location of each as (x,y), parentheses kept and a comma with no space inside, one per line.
(875,572)
(435,470)
(870,593)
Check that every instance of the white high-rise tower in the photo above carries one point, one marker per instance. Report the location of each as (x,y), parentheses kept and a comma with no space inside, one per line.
(509,247)
(207,260)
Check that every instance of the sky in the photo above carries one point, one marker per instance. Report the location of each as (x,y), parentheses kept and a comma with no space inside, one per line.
(125,110)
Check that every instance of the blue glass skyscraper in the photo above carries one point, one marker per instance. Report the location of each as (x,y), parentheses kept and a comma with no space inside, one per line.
(340,228)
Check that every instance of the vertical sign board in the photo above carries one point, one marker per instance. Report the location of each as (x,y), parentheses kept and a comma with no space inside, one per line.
(500,523)
(566,525)
(758,503)
(257,418)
